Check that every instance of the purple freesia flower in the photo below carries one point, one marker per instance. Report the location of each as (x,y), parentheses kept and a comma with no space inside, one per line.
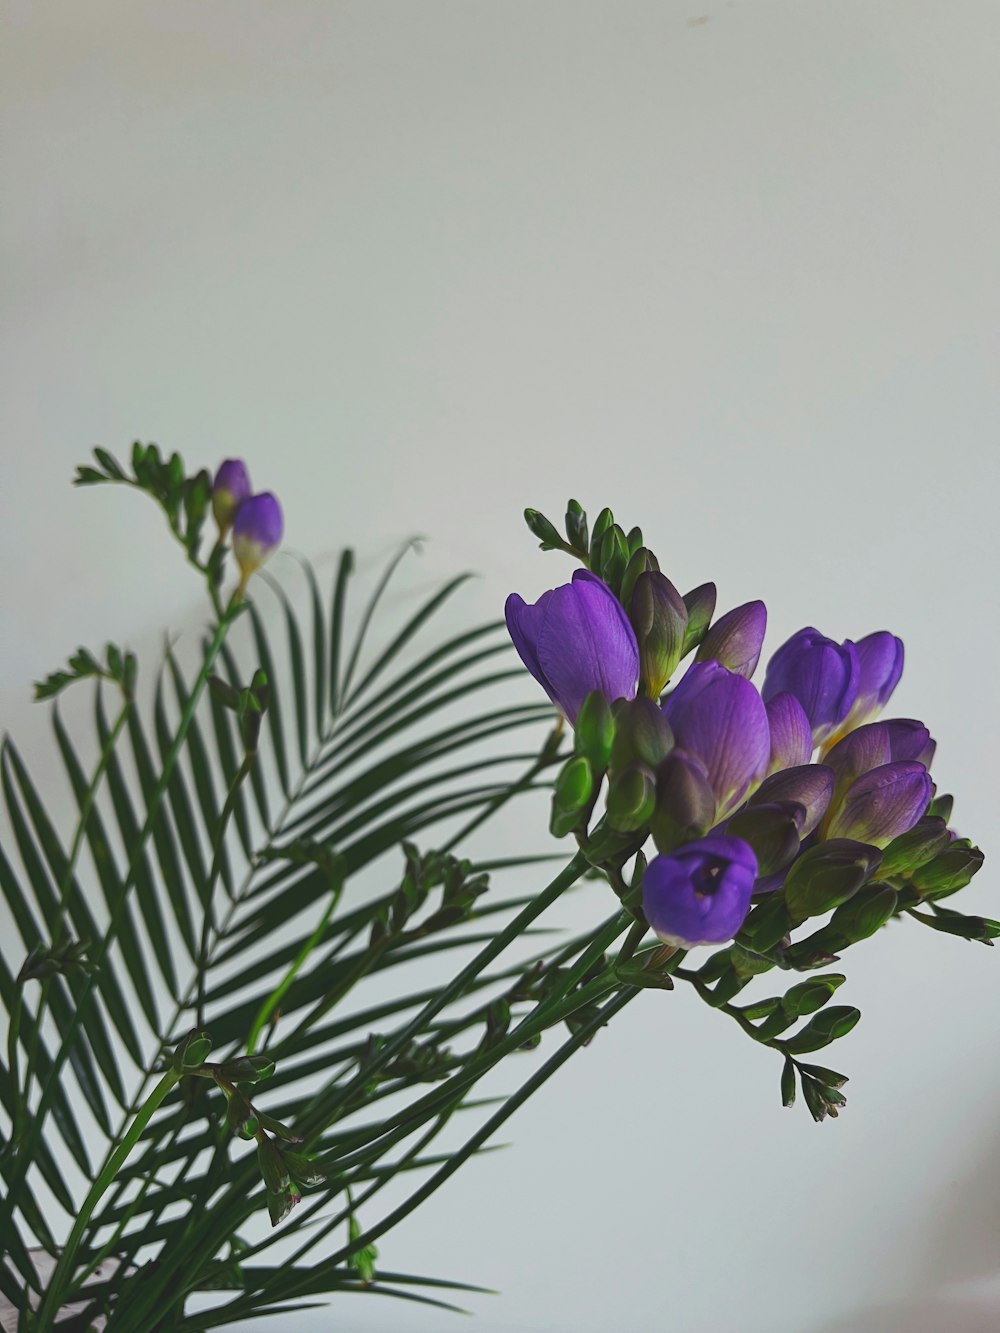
(575,639)
(823,676)
(257,531)
(230,488)
(719,717)
(882,803)
(701,893)
(880,665)
(735,640)
(791,734)
(910,739)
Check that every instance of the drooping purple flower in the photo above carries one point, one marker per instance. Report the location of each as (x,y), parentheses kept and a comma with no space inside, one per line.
(735,640)
(810,785)
(719,716)
(575,639)
(230,488)
(882,803)
(880,665)
(791,734)
(257,531)
(823,676)
(701,893)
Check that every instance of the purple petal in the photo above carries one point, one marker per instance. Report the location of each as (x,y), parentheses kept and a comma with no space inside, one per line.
(883,803)
(701,893)
(575,639)
(910,739)
(811,785)
(735,640)
(866,748)
(719,716)
(823,676)
(791,734)
(229,489)
(880,665)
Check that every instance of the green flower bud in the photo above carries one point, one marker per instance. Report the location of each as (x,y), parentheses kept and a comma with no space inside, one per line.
(700,605)
(915,848)
(631,798)
(772,830)
(192,1052)
(571,796)
(827,1026)
(576,526)
(642,734)
(950,870)
(827,875)
(595,731)
(865,913)
(545,531)
(660,620)
(685,803)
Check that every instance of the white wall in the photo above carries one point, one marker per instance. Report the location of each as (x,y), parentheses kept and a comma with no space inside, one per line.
(729,266)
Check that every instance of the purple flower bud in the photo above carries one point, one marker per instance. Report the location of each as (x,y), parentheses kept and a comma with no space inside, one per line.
(230,488)
(734,641)
(701,893)
(575,639)
(859,752)
(791,734)
(883,803)
(257,531)
(880,665)
(822,675)
(810,785)
(910,739)
(719,717)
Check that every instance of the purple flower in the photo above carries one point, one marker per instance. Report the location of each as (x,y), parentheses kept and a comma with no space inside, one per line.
(734,641)
(910,739)
(257,531)
(880,665)
(575,639)
(230,488)
(822,675)
(883,803)
(791,734)
(701,893)
(719,717)
(809,785)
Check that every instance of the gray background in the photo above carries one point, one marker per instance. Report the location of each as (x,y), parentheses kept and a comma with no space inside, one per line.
(729,267)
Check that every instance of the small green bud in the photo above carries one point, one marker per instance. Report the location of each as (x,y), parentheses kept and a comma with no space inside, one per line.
(631,798)
(808,996)
(192,1052)
(685,803)
(641,561)
(827,1026)
(767,925)
(950,870)
(604,522)
(865,913)
(915,848)
(545,531)
(576,527)
(827,875)
(642,734)
(595,731)
(942,807)
(571,796)
(613,558)
(659,618)
(700,605)
(788,1084)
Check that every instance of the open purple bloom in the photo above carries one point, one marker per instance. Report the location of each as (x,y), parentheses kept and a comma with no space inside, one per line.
(701,893)
(880,665)
(230,488)
(882,803)
(791,734)
(257,531)
(719,717)
(575,639)
(735,640)
(823,676)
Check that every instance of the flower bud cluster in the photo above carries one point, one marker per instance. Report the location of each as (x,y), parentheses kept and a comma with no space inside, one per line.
(792,793)
(255,520)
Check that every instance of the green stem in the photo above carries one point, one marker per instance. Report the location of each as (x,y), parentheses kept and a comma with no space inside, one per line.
(52,1301)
